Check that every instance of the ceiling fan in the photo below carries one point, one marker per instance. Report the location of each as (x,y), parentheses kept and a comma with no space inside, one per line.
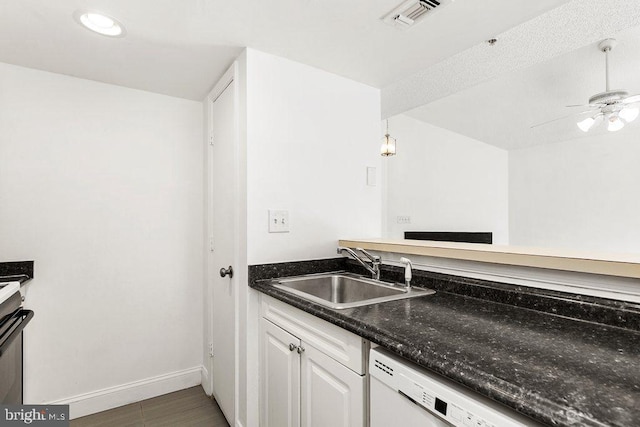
(614,107)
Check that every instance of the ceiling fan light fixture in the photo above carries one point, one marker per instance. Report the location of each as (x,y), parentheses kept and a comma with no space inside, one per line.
(629,114)
(586,124)
(613,107)
(615,124)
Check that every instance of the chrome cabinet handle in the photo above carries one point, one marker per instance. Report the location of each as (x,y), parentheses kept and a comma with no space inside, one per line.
(292,347)
(228,271)
(300,349)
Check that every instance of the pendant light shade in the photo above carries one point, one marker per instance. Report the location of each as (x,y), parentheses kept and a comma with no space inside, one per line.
(388,147)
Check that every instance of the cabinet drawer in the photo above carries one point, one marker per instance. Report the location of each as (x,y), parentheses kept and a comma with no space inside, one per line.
(341,345)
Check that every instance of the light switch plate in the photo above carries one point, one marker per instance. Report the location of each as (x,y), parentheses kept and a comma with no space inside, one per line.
(278,221)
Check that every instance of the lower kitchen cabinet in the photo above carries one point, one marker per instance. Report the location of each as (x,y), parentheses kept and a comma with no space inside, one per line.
(280,377)
(330,394)
(301,385)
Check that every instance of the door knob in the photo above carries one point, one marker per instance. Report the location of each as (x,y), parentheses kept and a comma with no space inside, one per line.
(292,347)
(226,271)
(300,349)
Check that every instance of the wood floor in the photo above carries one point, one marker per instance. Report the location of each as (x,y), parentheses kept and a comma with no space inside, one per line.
(188,408)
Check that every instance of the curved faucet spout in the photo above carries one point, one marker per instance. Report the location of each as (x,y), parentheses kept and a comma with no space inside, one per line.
(374,268)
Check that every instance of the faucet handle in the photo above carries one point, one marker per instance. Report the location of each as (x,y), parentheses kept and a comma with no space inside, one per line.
(373,258)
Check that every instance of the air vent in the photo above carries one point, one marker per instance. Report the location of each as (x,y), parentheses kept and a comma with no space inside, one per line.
(383,367)
(409,12)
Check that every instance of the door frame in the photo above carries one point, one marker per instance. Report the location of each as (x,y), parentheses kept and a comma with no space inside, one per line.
(230,77)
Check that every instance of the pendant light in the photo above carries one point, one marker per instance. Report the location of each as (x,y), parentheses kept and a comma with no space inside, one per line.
(388,147)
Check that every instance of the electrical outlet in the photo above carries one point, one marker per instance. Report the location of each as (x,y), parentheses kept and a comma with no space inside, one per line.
(278,221)
(403,219)
(210,349)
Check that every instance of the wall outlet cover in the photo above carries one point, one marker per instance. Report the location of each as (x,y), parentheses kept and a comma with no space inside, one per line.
(403,219)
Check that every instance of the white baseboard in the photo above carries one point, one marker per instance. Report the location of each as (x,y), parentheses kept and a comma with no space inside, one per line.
(204,380)
(113,397)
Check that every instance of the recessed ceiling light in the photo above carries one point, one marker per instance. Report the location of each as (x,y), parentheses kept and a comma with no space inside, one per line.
(100,23)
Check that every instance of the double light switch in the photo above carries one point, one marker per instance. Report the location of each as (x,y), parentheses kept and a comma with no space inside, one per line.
(278,221)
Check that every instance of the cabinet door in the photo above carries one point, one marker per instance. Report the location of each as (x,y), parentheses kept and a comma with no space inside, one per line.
(331,394)
(279,377)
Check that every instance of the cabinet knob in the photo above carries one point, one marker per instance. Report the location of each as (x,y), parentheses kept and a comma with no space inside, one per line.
(300,349)
(292,347)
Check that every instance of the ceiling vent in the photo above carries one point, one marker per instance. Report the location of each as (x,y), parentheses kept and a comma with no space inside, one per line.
(409,12)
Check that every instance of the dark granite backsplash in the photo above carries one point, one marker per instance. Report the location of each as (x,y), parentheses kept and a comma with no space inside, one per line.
(16,271)
(296,268)
(593,309)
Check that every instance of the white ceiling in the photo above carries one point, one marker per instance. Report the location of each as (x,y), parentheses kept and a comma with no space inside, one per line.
(501,111)
(561,30)
(181,47)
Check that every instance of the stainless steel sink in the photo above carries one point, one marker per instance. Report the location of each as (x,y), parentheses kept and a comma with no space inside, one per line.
(345,290)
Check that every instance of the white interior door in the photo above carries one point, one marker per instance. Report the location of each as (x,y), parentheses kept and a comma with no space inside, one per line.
(223,204)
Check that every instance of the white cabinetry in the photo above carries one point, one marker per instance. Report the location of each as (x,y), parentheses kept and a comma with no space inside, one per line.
(280,377)
(312,373)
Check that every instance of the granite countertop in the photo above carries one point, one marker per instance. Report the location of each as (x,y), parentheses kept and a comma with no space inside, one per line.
(16,271)
(557,370)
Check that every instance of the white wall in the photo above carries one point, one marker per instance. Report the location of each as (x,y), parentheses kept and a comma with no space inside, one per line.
(578,194)
(444,181)
(310,137)
(102,187)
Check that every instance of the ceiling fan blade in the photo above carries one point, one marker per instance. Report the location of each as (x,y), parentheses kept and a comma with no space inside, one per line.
(565,117)
(631,99)
(579,105)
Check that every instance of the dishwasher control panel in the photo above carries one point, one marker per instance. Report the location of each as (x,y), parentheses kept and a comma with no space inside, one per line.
(438,396)
(451,412)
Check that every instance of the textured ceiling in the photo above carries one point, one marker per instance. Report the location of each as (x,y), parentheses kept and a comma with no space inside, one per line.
(561,30)
(501,111)
(181,48)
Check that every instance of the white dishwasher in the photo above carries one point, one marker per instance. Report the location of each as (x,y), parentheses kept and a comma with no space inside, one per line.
(405,394)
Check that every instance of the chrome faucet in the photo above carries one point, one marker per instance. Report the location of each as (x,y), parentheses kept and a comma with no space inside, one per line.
(374,268)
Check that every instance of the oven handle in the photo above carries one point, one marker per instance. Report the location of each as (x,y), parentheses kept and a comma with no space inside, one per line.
(22,317)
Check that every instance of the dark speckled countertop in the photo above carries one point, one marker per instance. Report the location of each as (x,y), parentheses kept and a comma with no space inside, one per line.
(16,271)
(558,370)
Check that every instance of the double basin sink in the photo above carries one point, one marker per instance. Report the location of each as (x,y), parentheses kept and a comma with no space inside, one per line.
(346,290)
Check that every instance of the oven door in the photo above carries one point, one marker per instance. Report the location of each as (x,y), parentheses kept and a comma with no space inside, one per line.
(13,319)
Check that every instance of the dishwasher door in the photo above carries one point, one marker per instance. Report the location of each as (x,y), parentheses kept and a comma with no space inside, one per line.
(390,408)
(405,394)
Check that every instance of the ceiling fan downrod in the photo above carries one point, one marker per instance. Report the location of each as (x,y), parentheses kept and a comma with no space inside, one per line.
(607,46)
